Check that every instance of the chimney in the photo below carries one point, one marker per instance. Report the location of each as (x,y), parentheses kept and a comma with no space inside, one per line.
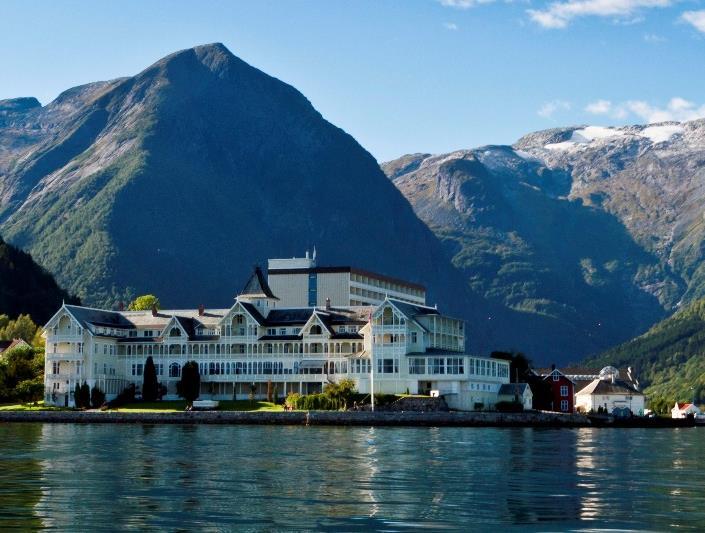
(553,367)
(154,310)
(327,303)
(201,310)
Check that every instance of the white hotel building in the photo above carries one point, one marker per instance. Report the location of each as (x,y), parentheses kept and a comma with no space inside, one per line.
(271,334)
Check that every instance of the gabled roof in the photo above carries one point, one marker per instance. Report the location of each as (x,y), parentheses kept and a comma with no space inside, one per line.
(9,345)
(684,406)
(509,389)
(602,386)
(253,312)
(257,286)
(412,310)
(98,317)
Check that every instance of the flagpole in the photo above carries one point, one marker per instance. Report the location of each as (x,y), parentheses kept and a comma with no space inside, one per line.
(372,367)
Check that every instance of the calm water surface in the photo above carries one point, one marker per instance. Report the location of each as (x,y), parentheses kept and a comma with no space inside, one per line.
(208,478)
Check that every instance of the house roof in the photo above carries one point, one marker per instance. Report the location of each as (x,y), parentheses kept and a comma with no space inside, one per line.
(602,386)
(9,345)
(257,286)
(582,376)
(509,389)
(684,406)
(98,317)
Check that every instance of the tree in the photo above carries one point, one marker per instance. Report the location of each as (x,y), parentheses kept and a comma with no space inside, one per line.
(189,387)
(144,303)
(85,396)
(21,328)
(519,365)
(77,396)
(150,385)
(30,390)
(97,397)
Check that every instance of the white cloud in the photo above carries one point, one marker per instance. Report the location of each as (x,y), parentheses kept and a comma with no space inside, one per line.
(560,14)
(653,38)
(548,109)
(452,26)
(464,4)
(695,19)
(677,109)
(605,107)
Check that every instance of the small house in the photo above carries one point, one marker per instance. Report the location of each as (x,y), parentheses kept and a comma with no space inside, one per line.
(683,410)
(516,393)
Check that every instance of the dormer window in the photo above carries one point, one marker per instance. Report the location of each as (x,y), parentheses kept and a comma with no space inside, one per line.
(341,329)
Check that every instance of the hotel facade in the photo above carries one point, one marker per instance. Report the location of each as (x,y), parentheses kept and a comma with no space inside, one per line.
(363,326)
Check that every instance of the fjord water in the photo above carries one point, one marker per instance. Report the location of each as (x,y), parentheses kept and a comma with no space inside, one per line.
(105,477)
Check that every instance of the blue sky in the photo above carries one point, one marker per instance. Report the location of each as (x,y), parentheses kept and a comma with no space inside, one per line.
(400,76)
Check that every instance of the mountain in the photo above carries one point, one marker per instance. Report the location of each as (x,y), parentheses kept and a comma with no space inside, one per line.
(598,229)
(669,358)
(176,180)
(26,288)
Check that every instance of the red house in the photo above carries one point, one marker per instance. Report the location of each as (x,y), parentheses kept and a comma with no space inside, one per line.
(562,397)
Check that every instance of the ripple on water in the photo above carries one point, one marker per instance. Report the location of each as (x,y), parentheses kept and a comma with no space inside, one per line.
(72,477)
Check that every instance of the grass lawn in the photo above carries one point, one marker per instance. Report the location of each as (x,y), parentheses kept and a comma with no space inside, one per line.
(180,405)
(32,407)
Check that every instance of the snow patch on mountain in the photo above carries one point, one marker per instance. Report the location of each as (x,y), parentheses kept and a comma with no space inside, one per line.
(661,133)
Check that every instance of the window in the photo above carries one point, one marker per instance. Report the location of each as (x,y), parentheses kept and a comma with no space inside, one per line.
(55,367)
(341,329)
(271,331)
(455,365)
(315,330)
(297,331)
(564,405)
(414,337)
(436,365)
(564,390)
(137,369)
(387,366)
(417,365)
(556,377)
(282,331)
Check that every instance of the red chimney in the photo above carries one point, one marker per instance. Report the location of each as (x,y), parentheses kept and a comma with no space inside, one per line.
(201,310)
(154,310)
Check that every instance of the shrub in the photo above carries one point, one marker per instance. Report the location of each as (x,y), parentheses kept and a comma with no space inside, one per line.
(97,397)
(84,397)
(509,407)
(126,396)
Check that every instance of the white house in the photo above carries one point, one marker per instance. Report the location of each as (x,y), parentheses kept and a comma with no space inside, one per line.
(608,392)
(257,344)
(516,392)
(682,410)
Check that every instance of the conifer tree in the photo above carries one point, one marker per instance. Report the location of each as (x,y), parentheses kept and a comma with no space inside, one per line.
(150,385)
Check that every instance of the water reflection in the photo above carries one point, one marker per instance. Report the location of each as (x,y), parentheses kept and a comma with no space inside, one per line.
(72,477)
(17,496)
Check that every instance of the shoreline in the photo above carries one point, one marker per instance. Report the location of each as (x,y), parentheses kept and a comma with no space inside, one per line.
(330,418)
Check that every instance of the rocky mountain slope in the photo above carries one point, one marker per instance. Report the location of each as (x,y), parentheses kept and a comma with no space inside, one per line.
(26,288)
(176,180)
(600,229)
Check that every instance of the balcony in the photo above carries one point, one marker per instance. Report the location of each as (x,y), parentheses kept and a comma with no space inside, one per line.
(68,356)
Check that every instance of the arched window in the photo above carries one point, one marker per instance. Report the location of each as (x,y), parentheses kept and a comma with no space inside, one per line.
(174,370)
(175,332)
(315,330)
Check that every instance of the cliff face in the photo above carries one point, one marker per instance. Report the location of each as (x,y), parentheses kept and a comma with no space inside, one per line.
(600,229)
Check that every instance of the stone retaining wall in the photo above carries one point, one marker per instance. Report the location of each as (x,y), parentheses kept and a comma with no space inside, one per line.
(318,418)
